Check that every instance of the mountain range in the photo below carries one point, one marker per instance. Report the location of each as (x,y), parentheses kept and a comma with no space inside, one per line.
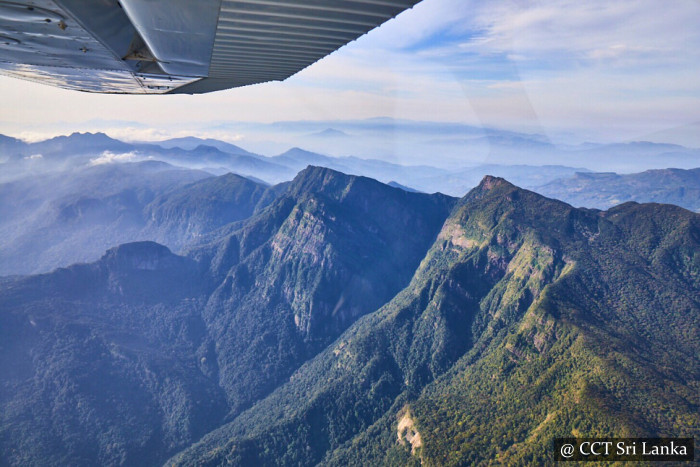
(605,190)
(341,321)
(69,198)
(527,160)
(458,145)
(527,320)
(58,218)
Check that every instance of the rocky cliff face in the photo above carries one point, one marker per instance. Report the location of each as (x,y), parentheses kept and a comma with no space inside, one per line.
(333,248)
(351,323)
(518,326)
(191,340)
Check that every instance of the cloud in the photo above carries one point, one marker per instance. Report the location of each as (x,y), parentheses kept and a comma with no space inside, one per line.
(573,30)
(429,18)
(109,157)
(627,67)
(17,131)
(34,157)
(131,133)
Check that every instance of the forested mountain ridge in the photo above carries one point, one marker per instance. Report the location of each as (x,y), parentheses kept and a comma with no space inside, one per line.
(97,361)
(171,337)
(346,322)
(527,320)
(331,249)
(181,216)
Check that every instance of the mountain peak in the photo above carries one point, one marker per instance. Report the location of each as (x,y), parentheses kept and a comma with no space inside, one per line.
(79,143)
(490,186)
(312,172)
(315,170)
(207,148)
(489,182)
(302,157)
(329,133)
(295,150)
(315,179)
(88,135)
(338,185)
(137,255)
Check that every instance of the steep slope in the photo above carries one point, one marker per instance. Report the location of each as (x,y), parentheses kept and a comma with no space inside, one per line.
(604,190)
(528,319)
(97,364)
(331,249)
(182,215)
(131,359)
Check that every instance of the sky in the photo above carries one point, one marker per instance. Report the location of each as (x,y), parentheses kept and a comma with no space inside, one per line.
(572,71)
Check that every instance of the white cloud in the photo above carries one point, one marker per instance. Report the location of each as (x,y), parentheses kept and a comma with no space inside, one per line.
(572,30)
(594,67)
(109,157)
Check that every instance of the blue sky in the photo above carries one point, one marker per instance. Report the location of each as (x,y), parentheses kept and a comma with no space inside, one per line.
(570,70)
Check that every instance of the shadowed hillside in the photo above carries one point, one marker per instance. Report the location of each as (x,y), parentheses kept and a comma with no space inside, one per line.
(527,320)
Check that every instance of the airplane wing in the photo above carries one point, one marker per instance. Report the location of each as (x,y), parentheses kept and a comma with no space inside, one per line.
(177,46)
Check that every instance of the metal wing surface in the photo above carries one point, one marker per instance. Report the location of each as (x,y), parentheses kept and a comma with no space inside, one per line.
(177,46)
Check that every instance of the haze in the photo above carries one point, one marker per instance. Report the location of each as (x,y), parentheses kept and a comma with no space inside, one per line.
(568,72)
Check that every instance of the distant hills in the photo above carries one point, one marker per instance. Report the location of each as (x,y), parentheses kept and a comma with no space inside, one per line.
(462,180)
(330,133)
(56,219)
(80,149)
(605,190)
(348,322)
(453,145)
(527,160)
(189,143)
(69,198)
